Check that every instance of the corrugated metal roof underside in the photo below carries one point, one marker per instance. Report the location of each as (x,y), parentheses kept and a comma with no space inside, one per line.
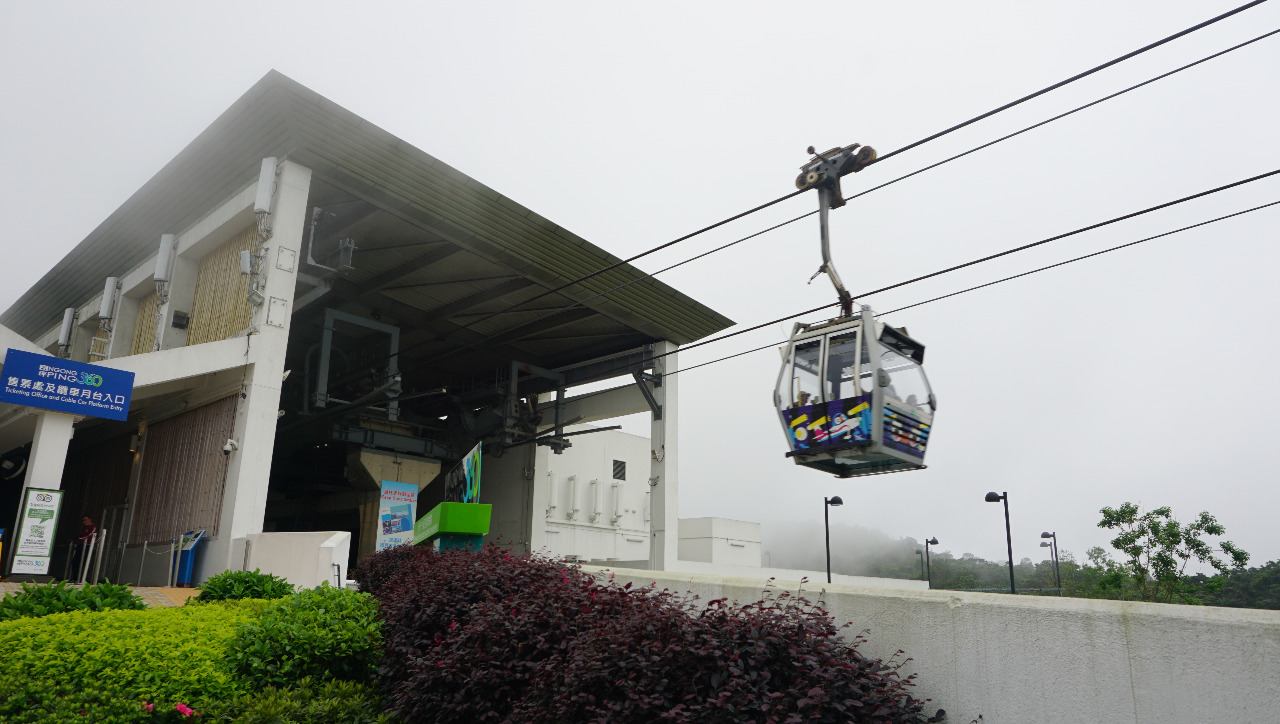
(500,238)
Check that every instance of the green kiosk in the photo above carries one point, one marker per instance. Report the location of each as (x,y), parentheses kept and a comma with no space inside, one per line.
(458,522)
(454,526)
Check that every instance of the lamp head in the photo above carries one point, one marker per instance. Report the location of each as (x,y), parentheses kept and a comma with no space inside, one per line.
(932,541)
(1046,535)
(835,502)
(1045,545)
(994,497)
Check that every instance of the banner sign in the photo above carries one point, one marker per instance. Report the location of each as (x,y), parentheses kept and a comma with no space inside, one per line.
(397,509)
(34,542)
(462,483)
(76,388)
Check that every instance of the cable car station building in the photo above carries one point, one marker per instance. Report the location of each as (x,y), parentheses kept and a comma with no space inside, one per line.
(310,306)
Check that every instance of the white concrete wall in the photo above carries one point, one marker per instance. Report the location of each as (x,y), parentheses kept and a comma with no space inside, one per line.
(303,559)
(1043,659)
(505,484)
(720,540)
(605,521)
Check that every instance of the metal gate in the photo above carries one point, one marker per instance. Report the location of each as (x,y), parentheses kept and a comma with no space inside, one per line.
(183,473)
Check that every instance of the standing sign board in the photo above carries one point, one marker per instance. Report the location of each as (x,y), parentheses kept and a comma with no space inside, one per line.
(52,383)
(33,545)
(397,509)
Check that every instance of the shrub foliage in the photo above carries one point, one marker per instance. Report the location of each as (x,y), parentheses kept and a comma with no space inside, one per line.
(41,600)
(307,702)
(102,666)
(493,636)
(233,585)
(321,632)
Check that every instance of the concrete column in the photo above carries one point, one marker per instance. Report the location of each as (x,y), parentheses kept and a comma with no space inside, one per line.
(244,501)
(49,450)
(182,293)
(44,466)
(122,327)
(664,444)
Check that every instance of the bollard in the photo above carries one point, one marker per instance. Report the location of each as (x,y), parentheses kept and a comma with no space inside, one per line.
(97,563)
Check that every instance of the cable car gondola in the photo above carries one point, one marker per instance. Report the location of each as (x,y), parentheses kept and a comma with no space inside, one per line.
(852,394)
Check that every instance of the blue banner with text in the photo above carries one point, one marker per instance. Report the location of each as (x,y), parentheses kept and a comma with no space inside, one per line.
(76,388)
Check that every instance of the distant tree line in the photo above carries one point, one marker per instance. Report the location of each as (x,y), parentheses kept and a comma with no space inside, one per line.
(1152,553)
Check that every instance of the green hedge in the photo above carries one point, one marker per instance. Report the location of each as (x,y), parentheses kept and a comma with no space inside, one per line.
(323,632)
(234,585)
(41,600)
(307,702)
(101,666)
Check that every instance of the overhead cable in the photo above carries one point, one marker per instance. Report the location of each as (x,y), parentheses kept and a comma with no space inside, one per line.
(947,296)
(587,300)
(1079,258)
(610,373)
(1074,78)
(780,199)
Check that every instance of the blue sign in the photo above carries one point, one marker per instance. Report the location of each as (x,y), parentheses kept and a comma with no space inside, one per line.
(76,388)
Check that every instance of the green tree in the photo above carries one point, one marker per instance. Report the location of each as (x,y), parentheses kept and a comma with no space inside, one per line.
(1158,549)
(1252,588)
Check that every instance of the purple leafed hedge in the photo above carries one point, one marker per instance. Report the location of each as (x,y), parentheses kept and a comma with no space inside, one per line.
(499,637)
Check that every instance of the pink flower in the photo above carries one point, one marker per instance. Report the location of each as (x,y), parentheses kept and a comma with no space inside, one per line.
(183,709)
(454,624)
(148,707)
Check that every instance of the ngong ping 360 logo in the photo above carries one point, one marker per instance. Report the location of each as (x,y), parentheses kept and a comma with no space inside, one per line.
(90,379)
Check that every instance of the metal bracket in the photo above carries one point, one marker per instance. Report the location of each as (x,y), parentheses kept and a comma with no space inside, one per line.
(641,379)
(556,441)
(320,398)
(823,172)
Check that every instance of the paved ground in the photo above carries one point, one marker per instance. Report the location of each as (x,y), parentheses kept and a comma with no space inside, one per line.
(156,597)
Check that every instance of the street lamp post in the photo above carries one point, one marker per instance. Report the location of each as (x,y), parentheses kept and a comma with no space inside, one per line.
(827,504)
(921,554)
(928,567)
(1057,571)
(994,497)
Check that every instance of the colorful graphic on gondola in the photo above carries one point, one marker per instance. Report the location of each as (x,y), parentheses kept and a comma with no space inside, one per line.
(904,433)
(830,423)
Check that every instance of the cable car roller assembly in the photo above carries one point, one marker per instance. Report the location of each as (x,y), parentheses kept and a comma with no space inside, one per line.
(852,395)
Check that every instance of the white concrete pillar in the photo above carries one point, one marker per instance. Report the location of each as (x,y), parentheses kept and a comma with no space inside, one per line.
(182,293)
(49,450)
(122,327)
(664,445)
(244,501)
(44,466)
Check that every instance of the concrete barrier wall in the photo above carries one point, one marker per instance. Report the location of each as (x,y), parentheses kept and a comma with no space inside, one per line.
(303,559)
(1021,659)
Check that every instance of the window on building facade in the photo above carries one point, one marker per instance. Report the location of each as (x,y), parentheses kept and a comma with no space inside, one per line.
(619,469)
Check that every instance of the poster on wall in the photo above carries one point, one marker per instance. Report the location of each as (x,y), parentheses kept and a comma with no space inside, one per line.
(397,511)
(76,388)
(34,542)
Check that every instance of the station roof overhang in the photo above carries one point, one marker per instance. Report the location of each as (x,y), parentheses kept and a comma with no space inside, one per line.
(439,253)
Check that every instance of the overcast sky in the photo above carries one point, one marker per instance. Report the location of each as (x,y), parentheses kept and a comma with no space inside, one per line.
(1145,375)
